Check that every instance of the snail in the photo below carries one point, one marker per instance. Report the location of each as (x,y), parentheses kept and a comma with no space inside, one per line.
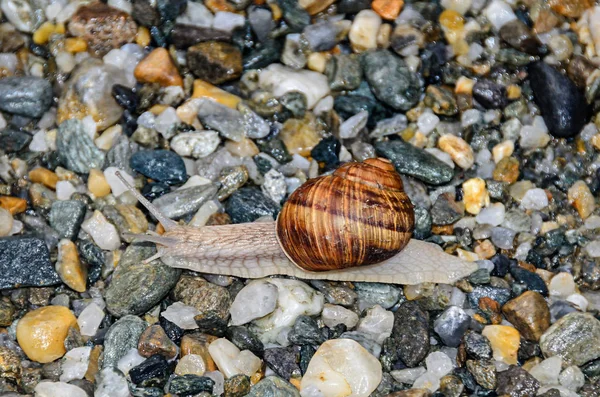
(352,225)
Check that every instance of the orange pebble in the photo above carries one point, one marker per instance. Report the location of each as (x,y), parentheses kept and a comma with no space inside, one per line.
(43,176)
(387,9)
(14,205)
(158,67)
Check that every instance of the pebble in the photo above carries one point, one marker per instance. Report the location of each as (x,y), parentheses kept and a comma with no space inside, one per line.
(75,364)
(534,199)
(195,144)
(505,342)
(105,235)
(580,196)
(409,160)
(160,165)
(342,367)
(121,337)
(364,29)
(547,371)
(25,96)
(25,261)
(257,299)
(574,338)
(204,296)
(273,386)
(228,122)
(76,149)
(182,202)
(90,319)
(181,315)
(563,106)
(214,61)
(152,372)
(516,381)
(231,361)
(451,325)
(391,80)
(41,333)
(191,364)
(158,67)
(280,80)
(68,266)
(572,378)
(529,313)
(58,389)
(111,383)
(411,333)
(377,323)
(190,385)
(248,204)
(475,195)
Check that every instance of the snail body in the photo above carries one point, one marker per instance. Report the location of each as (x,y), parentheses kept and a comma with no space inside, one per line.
(352,225)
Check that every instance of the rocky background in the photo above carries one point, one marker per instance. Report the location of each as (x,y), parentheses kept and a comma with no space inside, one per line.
(216,110)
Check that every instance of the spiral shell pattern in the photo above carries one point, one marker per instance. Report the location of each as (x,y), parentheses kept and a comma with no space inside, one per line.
(359,215)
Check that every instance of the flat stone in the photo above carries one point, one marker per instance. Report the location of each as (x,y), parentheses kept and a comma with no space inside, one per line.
(575,338)
(184,36)
(248,204)
(529,313)
(415,162)
(25,95)
(273,386)
(76,149)
(215,61)
(154,340)
(411,333)
(122,336)
(136,287)
(25,262)
(159,165)
(66,217)
(183,202)
(516,382)
(204,296)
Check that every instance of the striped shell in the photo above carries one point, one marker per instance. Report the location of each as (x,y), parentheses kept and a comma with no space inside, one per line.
(359,215)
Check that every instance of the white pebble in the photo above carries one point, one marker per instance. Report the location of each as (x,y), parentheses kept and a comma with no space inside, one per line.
(547,371)
(578,300)
(38,142)
(204,213)
(231,361)
(562,285)
(354,125)
(75,363)
(592,222)
(181,315)
(533,137)
(58,389)
(499,13)
(111,383)
(116,186)
(166,121)
(123,5)
(196,14)
(90,319)
(109,137)
(460,6)
(441,155)
(196,144)
(219,380)
(534,199)
(333,315)
(593,249)
(191,364)
(572,378)
(64,190)
(438,364)
(470,117)
(491,215)
(325,105)
(427,122)
(9,61)
(364,29)
(147,120)
(257,299)
(228,21)
(131,359)
(377,323)
(104,233)
(408,375)
(280,80)
(65,61)
(427,381)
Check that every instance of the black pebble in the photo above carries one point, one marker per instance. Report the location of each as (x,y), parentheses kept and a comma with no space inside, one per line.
(152,372)
(125,97)
(563,106)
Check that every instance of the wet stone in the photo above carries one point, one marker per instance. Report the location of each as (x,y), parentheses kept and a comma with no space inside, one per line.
(237,386)
(153,372)
(500,295)
(25,96)
(184,36)
(441,100)
(154,340)
(273,386)
(529,313)
(189,384)
(484,373)
(66,217)
(7,312)
(25,261)
(183,202)
(533,281)
(451,325)
(391,80)
(215,61)
(160,165)
(248,204)
(520,37)
(211,323)
(327,151)
(517,382)
(14,140)
(489,94)
(477,346)
(371,294)
(245,340)
(575,338)
(306,332)
(411,333)
(563,106)
(283,361)
(122,336)
(344,72)
(295,16)
(446,210)
(136,286)
(76,149)
(204,296)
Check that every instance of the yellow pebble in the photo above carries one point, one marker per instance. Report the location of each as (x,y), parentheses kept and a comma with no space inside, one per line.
(75,45)
(464,85)
(202,89)
(142,37)
(452,20)
(60,28)
(317,60)
(475,195)
(41,333)
(14,205)
(505,342)
(68,266)
(43,176)
(97,183)
(158,109)
(43,33)
(513,91)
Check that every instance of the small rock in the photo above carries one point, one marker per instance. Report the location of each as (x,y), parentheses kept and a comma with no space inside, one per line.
(153,372)
(458,149)
(529,313)
(231,361)
(446,211)
(237,386)
(516,382)
(572,378)
(229,122)
(66,217)
(391,80)
(75,364)
(181,315)
(257,299)
(248,204)
(484,373)
(111,383)
(76,149)
(490,94)
(477,346)
(58,389)
(103,27)
(160,165)
(191,364)
(204,296)
(575,338)
(475,195)
(196,144)
(505,342)
(451,325)
(121,337)
(41,333)
(411,333)
(105,235)
(280,80)
(377,322)
(563,106)
(68,266)
(215,61)
(25,95)
(520,37)
(415,162)
(183,202)
(581,198)
(284,361)
(364,29)
(154,340)
(342,366)
(245,339)
(273,386)
(190,384)
(305,331)
(534,199)
(25,261)
(90,319)
(158,67)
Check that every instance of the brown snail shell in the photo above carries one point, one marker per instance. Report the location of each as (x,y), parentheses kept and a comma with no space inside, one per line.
(359,215)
